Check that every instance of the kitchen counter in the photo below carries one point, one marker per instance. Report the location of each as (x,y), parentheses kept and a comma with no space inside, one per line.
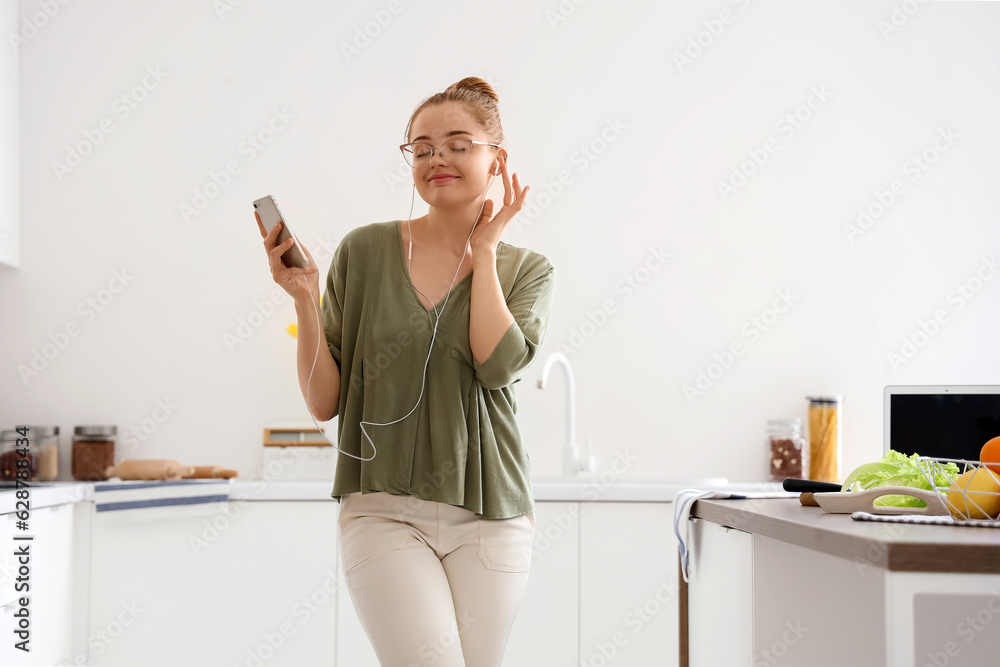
(554,489)
(546,489)
(897,547)
(812,588)
(46,494)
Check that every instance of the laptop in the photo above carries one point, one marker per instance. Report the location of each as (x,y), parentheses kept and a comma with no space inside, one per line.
(946,421)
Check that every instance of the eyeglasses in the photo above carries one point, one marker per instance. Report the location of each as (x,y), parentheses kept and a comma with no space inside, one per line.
(454,152)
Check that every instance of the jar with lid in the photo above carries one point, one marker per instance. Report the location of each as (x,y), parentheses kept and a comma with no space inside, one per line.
(785,449)
(824,438)
(18,454)
(93,452)
(46,439)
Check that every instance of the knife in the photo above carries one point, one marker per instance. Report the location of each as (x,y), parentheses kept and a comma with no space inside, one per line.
(809,486)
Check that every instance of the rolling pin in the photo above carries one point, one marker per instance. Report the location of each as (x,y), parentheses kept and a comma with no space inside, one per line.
(149,469)
(211,472)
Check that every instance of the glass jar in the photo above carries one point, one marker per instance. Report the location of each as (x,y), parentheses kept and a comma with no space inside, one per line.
(46,439)
(93,452)
(16,457)
(824,438)
(785,449)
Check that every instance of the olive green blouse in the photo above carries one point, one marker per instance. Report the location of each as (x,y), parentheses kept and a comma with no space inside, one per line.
(462,444)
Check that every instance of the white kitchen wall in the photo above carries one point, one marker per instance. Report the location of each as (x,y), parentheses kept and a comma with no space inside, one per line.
(9,154)
(809,111)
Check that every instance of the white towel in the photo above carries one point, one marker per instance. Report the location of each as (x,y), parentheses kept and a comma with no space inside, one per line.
(139,494)
(682,512)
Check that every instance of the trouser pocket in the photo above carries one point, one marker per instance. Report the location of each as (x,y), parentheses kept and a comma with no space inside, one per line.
(505,545)
(365,531)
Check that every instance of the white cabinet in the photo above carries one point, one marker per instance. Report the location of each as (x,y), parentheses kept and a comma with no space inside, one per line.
(10,155)
(720,596)
(261,583)
(801,587)
(628,587)
(237,583)
(546,631)
(51,580)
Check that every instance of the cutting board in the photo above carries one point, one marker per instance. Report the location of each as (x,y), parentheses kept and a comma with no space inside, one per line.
(864,501)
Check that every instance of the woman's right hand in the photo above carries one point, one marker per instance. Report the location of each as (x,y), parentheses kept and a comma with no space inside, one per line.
(298,283)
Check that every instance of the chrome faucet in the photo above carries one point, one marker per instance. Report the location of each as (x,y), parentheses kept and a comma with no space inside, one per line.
(573,463)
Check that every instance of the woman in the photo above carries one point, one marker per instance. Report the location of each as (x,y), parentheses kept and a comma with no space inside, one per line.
(429,323)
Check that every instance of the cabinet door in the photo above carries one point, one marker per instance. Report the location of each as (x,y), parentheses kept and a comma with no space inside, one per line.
(545,630)
(236,583)
(50,570)
(629,592)
(720,597)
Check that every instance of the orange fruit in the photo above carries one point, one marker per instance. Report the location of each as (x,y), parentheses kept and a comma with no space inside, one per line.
(965,503)
(991,454)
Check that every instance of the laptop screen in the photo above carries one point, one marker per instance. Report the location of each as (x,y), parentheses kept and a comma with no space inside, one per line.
(943,425)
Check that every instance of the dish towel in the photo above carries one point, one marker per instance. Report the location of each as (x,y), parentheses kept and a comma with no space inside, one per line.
(918,518)
(138,494)
(683,504)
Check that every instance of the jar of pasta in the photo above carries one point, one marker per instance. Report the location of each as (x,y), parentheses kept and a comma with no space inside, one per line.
(824,438)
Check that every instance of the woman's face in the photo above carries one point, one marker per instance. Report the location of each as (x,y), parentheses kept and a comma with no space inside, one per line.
(447,185)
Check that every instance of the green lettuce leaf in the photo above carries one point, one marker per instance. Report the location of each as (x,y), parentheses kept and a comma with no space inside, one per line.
(896,469)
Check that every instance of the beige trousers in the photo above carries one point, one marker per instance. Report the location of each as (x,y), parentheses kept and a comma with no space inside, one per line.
(433,584)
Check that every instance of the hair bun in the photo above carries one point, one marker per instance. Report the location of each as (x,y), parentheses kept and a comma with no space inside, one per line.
(478,85)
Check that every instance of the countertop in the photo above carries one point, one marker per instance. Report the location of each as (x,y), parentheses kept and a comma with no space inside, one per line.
(546,489)
(897,547)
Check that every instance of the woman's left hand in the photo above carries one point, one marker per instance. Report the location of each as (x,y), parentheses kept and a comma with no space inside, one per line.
(490,228)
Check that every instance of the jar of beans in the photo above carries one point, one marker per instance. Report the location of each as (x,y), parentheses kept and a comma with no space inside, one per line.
(785,448)
(93,452)
(18,456)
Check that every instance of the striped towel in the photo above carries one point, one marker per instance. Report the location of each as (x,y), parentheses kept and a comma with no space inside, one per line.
(683,504)
(919,518)
(138,494)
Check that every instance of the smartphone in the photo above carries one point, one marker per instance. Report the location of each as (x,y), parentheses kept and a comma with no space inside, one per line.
(267,210)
